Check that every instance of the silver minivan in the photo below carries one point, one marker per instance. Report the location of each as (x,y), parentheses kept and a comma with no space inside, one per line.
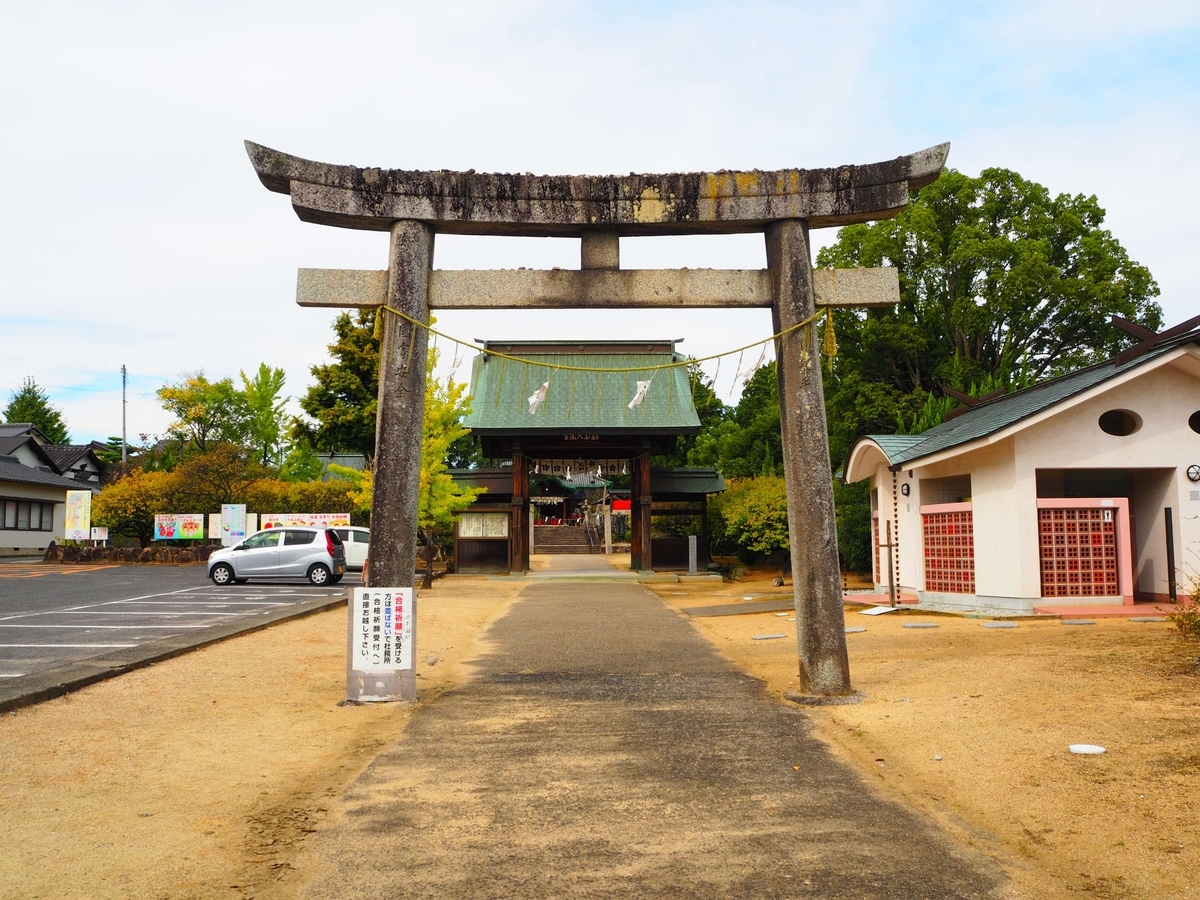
(294,552)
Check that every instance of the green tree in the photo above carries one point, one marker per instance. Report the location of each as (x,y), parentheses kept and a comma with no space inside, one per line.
(746,441)
(754,518)
(998,279)
(222,474)
(343,400)
(206,412)
(29,403)
(265,413)
(446,405)
(128,506)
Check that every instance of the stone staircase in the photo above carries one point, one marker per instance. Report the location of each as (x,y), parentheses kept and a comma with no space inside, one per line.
(563,539)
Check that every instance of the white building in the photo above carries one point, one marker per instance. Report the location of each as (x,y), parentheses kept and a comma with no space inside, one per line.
(32,506)
(1081,490)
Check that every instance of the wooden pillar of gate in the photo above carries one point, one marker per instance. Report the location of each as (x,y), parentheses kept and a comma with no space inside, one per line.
(400,413)
(641,555)
(816,585)
(519,559)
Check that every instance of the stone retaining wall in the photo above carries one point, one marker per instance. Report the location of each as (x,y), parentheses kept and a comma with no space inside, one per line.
(173,555)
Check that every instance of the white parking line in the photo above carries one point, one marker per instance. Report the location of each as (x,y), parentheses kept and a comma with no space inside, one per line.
(209,603)
(12,674)
(60,646)
(126,627)
(111,612)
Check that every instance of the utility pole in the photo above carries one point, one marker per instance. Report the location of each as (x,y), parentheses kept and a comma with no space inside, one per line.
(124,444)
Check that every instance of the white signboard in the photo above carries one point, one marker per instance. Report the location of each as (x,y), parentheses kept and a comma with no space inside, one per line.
(316,520)
(233,523)
(381,630)
(214,525)
(99,534)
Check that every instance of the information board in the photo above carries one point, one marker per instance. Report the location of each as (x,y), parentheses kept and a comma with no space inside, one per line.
(316,520)
(233,523)
(381,630)
(77,518)
(99,534)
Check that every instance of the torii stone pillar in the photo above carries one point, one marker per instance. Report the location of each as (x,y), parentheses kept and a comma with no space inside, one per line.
(783,204)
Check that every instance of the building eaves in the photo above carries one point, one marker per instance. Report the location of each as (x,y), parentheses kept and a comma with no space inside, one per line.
(12,471)
(993,416)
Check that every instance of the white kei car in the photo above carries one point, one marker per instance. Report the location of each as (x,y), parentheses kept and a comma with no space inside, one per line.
(356,541)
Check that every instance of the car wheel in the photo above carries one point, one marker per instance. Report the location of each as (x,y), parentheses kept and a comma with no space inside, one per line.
(222,575)
(318,574)
(335,579)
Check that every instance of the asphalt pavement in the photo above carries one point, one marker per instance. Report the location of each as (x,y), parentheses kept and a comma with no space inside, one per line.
(604,749)
(64,626)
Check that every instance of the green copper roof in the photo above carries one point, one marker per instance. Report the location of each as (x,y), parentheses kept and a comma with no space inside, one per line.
(592,401)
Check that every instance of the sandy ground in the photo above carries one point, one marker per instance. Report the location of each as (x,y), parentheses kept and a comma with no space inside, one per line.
(201,776)
(1000,707)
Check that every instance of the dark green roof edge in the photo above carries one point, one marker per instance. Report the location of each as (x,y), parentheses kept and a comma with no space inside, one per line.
(992,416)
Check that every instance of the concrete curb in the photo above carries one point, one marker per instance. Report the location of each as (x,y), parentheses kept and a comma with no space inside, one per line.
(39,686)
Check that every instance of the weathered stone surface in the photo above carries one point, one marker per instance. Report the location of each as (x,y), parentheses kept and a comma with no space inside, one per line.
(70,554)
(681,203)
(185,556)
(84,555)
(596,288)
(816,576)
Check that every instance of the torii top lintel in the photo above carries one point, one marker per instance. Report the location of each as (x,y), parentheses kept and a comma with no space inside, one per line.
(723,202)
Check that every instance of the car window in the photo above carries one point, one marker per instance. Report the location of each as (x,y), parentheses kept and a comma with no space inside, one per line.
(337,540)
(361,537)
(297,538)
(262,539)
(343,533)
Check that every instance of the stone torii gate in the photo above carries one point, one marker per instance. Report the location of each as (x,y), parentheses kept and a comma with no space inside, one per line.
(783,204)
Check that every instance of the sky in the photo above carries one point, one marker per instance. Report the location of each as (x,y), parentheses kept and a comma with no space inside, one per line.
(135,233)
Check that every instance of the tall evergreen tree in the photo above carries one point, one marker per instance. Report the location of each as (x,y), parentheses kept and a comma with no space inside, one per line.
(345,395)
(30,403)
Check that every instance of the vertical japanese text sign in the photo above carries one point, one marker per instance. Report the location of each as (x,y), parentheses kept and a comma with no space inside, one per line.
(381,642)
(77,521)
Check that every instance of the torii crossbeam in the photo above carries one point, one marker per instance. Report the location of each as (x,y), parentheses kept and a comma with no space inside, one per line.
(783,204)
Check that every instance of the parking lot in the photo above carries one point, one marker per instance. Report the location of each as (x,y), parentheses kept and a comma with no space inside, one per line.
(54,615)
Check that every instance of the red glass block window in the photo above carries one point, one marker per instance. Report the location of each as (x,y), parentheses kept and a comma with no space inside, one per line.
(1079,552)
(949,552)
(878,552)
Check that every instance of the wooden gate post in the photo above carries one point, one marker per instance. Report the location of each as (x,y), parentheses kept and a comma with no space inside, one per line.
(520,501)
(816,575)
(401,409)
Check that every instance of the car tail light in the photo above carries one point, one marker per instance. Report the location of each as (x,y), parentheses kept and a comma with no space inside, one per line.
(329,544)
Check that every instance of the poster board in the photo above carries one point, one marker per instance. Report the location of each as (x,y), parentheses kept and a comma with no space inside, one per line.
(77,517)
(233,524)
(179,527)
(99,534)
(316,520)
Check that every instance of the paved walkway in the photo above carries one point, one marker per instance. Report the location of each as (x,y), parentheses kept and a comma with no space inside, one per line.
(604,750)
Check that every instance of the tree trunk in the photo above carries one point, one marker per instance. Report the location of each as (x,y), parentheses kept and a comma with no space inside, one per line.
(428,582)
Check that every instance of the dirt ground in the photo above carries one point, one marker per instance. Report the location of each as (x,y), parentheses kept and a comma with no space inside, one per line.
(973,724)
(200,777)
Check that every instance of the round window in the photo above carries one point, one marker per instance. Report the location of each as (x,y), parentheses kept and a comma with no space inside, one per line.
(1119,422)
(1194,421)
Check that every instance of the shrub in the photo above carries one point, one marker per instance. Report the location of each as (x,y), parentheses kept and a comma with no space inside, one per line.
(1186,614)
